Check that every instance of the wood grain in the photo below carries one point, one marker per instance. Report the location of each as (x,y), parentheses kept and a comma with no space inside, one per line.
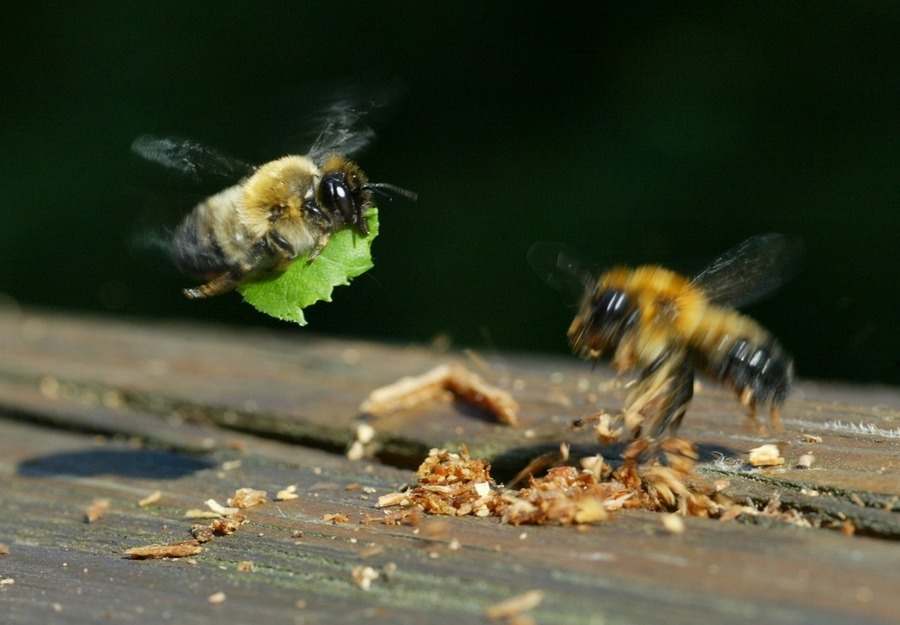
(102,408)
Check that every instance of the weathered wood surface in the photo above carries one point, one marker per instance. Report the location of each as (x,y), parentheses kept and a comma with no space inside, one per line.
(107,409)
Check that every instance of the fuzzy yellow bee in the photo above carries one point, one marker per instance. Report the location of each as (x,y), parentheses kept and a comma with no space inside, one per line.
(276,213)
(669,326)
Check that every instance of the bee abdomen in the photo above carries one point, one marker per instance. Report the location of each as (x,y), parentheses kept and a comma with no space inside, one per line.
(765,371)
(195,250)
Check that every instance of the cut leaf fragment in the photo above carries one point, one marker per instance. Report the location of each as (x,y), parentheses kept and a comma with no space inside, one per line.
(284,295)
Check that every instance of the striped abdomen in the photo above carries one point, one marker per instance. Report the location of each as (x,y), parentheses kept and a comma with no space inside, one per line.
(739,353)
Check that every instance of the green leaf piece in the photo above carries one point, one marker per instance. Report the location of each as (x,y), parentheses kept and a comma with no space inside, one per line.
(284,295)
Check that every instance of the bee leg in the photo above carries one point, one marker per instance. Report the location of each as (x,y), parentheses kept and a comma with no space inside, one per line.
(751,414)
(681,454)
(656,406)
(672,399)
(632,455)
(321,242)
(220,284)
(775,419)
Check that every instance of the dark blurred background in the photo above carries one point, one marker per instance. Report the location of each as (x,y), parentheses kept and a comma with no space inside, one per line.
(631,133)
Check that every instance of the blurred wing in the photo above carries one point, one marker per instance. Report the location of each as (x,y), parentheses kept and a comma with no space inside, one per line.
(751,270)
(344,129)
(560,268)
(343,132)
(190,159)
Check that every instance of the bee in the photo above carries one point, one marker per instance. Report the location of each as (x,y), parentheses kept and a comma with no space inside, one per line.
(275,213)
(670,326)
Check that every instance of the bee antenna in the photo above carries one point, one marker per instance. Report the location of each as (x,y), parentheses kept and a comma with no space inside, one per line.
(385,190)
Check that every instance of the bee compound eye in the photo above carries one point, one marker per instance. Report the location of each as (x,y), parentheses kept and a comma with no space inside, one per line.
(336,196)
(611,306)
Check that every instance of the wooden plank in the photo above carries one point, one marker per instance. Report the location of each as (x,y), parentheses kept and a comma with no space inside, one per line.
(173,403)
(630,570)
(123,378)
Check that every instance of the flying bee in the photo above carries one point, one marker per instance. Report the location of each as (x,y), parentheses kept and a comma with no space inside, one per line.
(669,326)
(275,213)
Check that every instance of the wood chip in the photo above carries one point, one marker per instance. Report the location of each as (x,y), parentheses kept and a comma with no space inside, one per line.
(247,498)
(673,523)
(766,456)
(514,606)
(181,549)
(150,499)
(97,509)
(202,533)
(457,485)
(459,382)
(336,518)
(219,509)
(364,576)
(228,525)
(286,494)
(196,513)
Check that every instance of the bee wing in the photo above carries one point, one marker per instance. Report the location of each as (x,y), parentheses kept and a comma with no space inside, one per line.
(343,131)
(751,270)
(190,159)
(561,268)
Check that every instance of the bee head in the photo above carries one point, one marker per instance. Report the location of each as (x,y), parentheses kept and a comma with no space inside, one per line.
(344,194)
(605,316)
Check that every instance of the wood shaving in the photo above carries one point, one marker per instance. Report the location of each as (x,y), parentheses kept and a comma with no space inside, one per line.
(228,525)
(673,523)
(219,509)
(565,495)
(772,510)
(439,383)
(606,433)
(218,597)
(150,499)
(514,606)
(393,499)
(812,438)
(365,433)
(220,527)
(457,485)
(336,518)
(451,484)
(288,493)
(356,451)
(363,445)
(766,456)
(97,509)
(197,513)
(202,533)
(181,549)
(364,576)
(411,517)
(247,498)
